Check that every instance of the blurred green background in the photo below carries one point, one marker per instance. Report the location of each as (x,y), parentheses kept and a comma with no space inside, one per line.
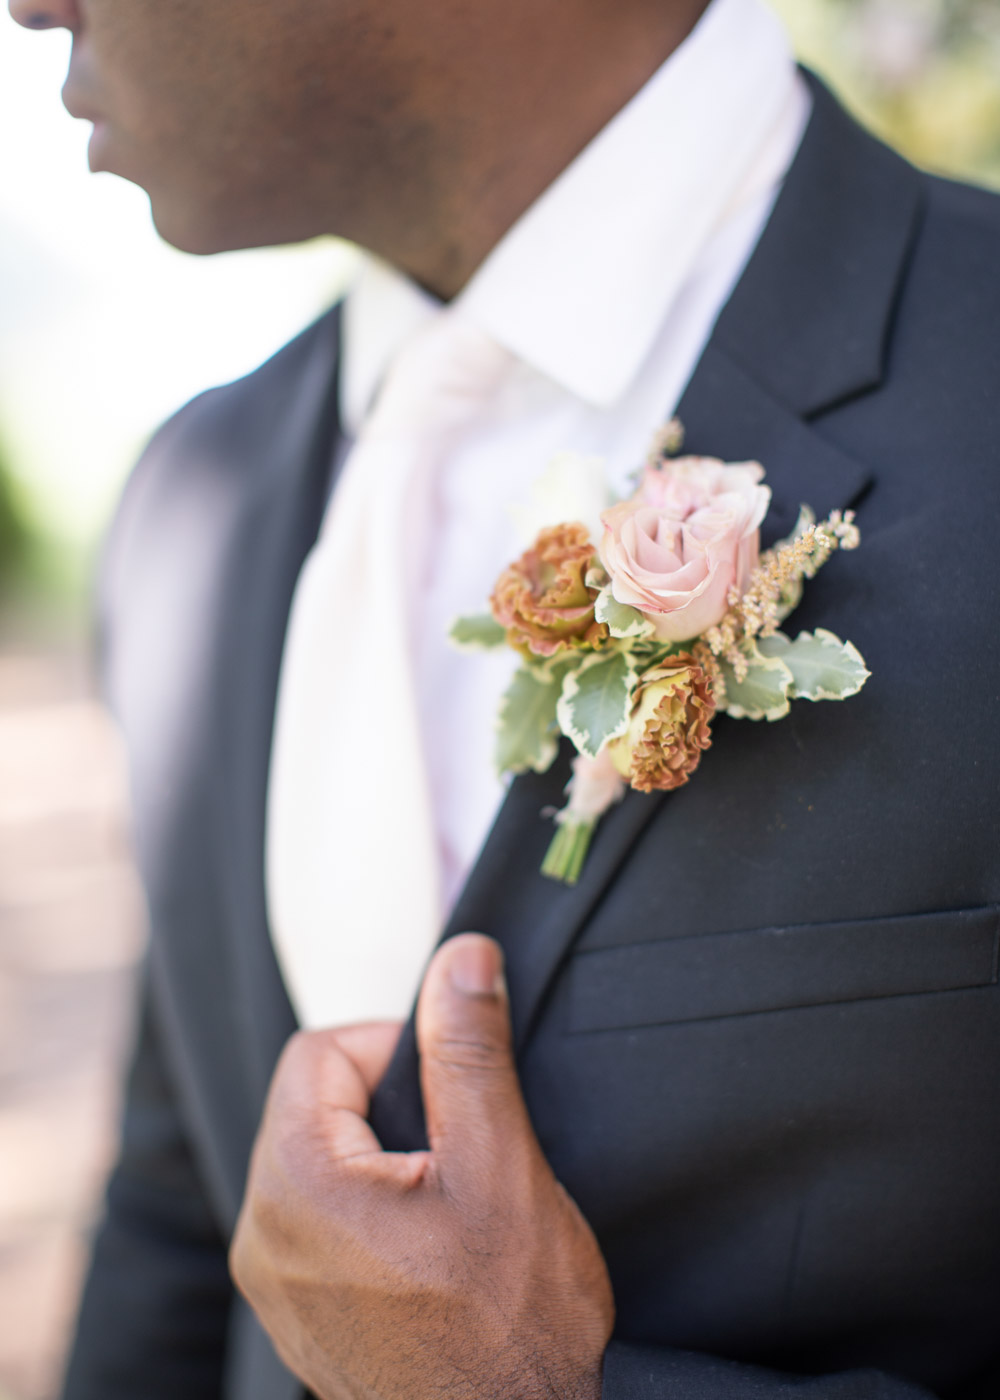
(925,74)
(17,529)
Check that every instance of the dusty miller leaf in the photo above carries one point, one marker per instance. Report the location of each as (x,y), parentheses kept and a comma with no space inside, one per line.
(822,666)
(764,693)
(596,700)
(623,621)
(526,725)
(479,633)
(806,517)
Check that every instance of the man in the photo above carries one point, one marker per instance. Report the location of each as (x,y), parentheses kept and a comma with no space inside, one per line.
(743,1139)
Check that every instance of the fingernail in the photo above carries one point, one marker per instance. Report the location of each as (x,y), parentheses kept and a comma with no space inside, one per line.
(476,967)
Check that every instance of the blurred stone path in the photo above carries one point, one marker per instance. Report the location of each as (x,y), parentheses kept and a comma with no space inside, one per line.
(70,934)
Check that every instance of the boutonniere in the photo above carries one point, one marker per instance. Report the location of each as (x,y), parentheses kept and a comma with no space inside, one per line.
(631,646)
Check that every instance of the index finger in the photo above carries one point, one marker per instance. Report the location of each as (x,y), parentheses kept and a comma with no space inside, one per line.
(370,1046)
(320,1094)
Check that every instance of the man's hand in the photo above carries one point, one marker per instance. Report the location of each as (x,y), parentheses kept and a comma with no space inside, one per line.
(464,1272)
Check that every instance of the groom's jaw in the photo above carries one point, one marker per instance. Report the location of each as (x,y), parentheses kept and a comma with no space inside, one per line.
(419,131)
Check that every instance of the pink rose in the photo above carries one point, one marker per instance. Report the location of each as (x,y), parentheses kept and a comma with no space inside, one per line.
(679,545)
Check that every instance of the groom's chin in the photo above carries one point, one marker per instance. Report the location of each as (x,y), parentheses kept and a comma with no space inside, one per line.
(204,228)
(195,228)
(189,236)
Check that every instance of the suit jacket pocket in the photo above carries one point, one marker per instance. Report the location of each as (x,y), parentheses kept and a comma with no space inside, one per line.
(775,969)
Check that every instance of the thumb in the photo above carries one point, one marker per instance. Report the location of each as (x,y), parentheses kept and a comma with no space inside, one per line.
(475,1111)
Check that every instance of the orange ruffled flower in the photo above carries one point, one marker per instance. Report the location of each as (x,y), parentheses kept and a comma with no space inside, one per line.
(542,600)
(670,726)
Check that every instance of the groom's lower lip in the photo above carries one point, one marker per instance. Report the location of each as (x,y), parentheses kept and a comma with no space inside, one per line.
(78,107)
(78,94)
(97,147)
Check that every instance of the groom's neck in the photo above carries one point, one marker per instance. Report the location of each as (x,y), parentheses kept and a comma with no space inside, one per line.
(526,99)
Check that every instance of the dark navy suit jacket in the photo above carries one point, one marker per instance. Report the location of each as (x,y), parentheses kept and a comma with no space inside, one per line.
(760,1040)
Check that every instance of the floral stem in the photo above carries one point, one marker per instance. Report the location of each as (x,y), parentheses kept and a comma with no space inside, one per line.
(568,850)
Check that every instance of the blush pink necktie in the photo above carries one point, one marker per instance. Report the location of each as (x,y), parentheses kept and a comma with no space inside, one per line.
(352,864)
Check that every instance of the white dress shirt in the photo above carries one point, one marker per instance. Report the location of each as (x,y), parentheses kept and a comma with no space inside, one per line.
(604,294)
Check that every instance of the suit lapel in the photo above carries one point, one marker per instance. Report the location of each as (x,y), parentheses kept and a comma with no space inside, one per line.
(277,528)
(811,317)
(806,329)
(728,414)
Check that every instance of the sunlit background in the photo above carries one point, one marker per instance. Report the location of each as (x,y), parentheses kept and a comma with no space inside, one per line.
(103,332)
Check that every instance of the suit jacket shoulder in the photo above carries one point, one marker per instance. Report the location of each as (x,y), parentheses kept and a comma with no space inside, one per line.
(945,346)
(223,440)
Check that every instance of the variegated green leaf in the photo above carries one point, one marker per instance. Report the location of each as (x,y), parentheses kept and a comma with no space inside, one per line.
(822,666)
(622,621)
(764,692)
(479,633)
(807,517)
(595,701)
(526,725)
(596,577)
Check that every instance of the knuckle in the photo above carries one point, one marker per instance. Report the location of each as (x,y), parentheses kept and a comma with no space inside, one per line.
(292,1061)
(306,1049)
(266,1213)
(300,1049)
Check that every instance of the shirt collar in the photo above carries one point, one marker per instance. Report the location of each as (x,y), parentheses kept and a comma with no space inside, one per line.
(581,284)
(381,311)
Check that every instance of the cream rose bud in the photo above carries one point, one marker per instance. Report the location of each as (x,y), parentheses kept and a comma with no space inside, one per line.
(679,545)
